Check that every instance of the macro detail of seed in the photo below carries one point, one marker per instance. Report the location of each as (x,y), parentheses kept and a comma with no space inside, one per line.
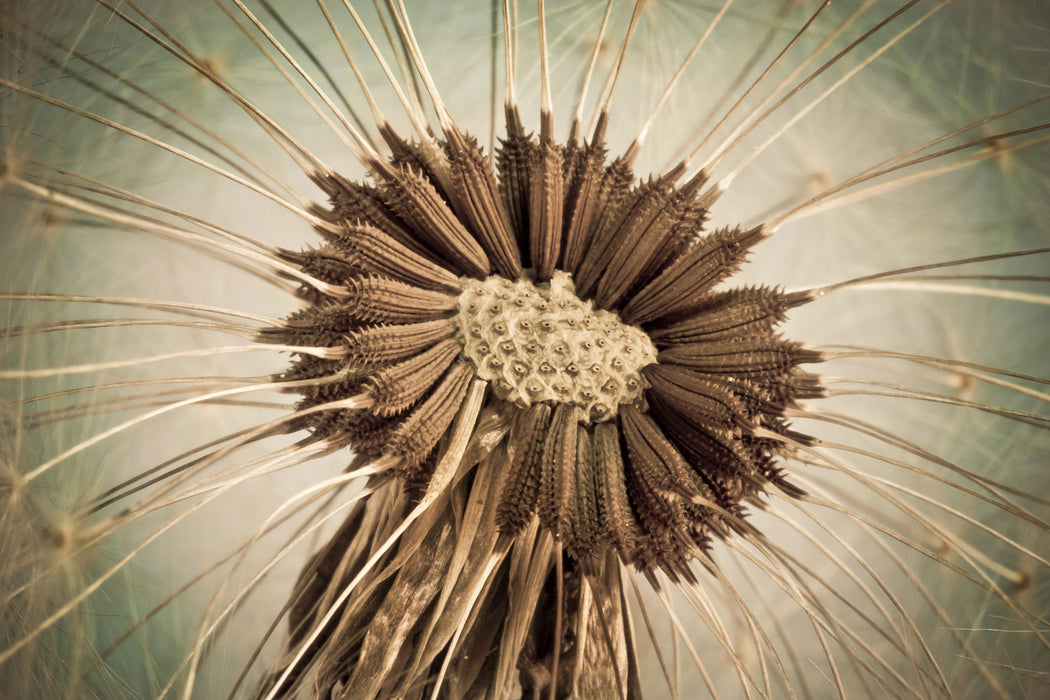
(615,320)
(506,404)
(540,342)
(636,401)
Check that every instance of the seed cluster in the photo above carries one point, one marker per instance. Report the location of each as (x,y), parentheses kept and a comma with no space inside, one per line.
(643,406)
(542,343)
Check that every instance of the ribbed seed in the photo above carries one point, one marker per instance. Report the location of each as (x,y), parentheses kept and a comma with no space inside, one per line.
(397,387)
(546,200)
(745,311)
(411,196)
(358,203)
(769,358)
(416,436)
(323,263)
(615,198)
(375,299)
(370,250)
(663,543)
(638,204)
(364,431)
(698,399)
(614,506)
(408,154)
(683,283)
(685,231)
(512,161)
(586,525)
(557,481)
(755,397)
(712,456)
(582,192)
(645,238)
(652,454)
(477,199)
(320,324)
(521,492)
(379,345)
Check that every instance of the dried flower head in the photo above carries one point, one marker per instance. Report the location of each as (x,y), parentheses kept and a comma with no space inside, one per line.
(528,374)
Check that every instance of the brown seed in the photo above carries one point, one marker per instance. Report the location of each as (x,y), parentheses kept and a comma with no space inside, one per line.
(721,315)
(521,491)
(763,358)
(397,387)
(375,299)
(477,200)
(640,206)
(546,201)
(694,397)
(582,194)
(412,196)
(378,345)
(512,162)
(359,203)
(370,250)
(683,283)
(611,490)
(416,436)
(647,237)
(557,483)
(654,457)
(588,542)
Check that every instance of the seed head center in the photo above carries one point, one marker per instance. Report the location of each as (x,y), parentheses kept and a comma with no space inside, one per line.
(540,342)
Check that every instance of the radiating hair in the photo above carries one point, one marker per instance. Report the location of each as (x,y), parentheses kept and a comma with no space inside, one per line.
(271,422)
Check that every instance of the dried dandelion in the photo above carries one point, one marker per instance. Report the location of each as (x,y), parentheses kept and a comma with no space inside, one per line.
(547,428)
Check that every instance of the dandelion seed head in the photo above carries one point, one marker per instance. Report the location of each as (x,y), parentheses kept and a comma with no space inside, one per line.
(780,592)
